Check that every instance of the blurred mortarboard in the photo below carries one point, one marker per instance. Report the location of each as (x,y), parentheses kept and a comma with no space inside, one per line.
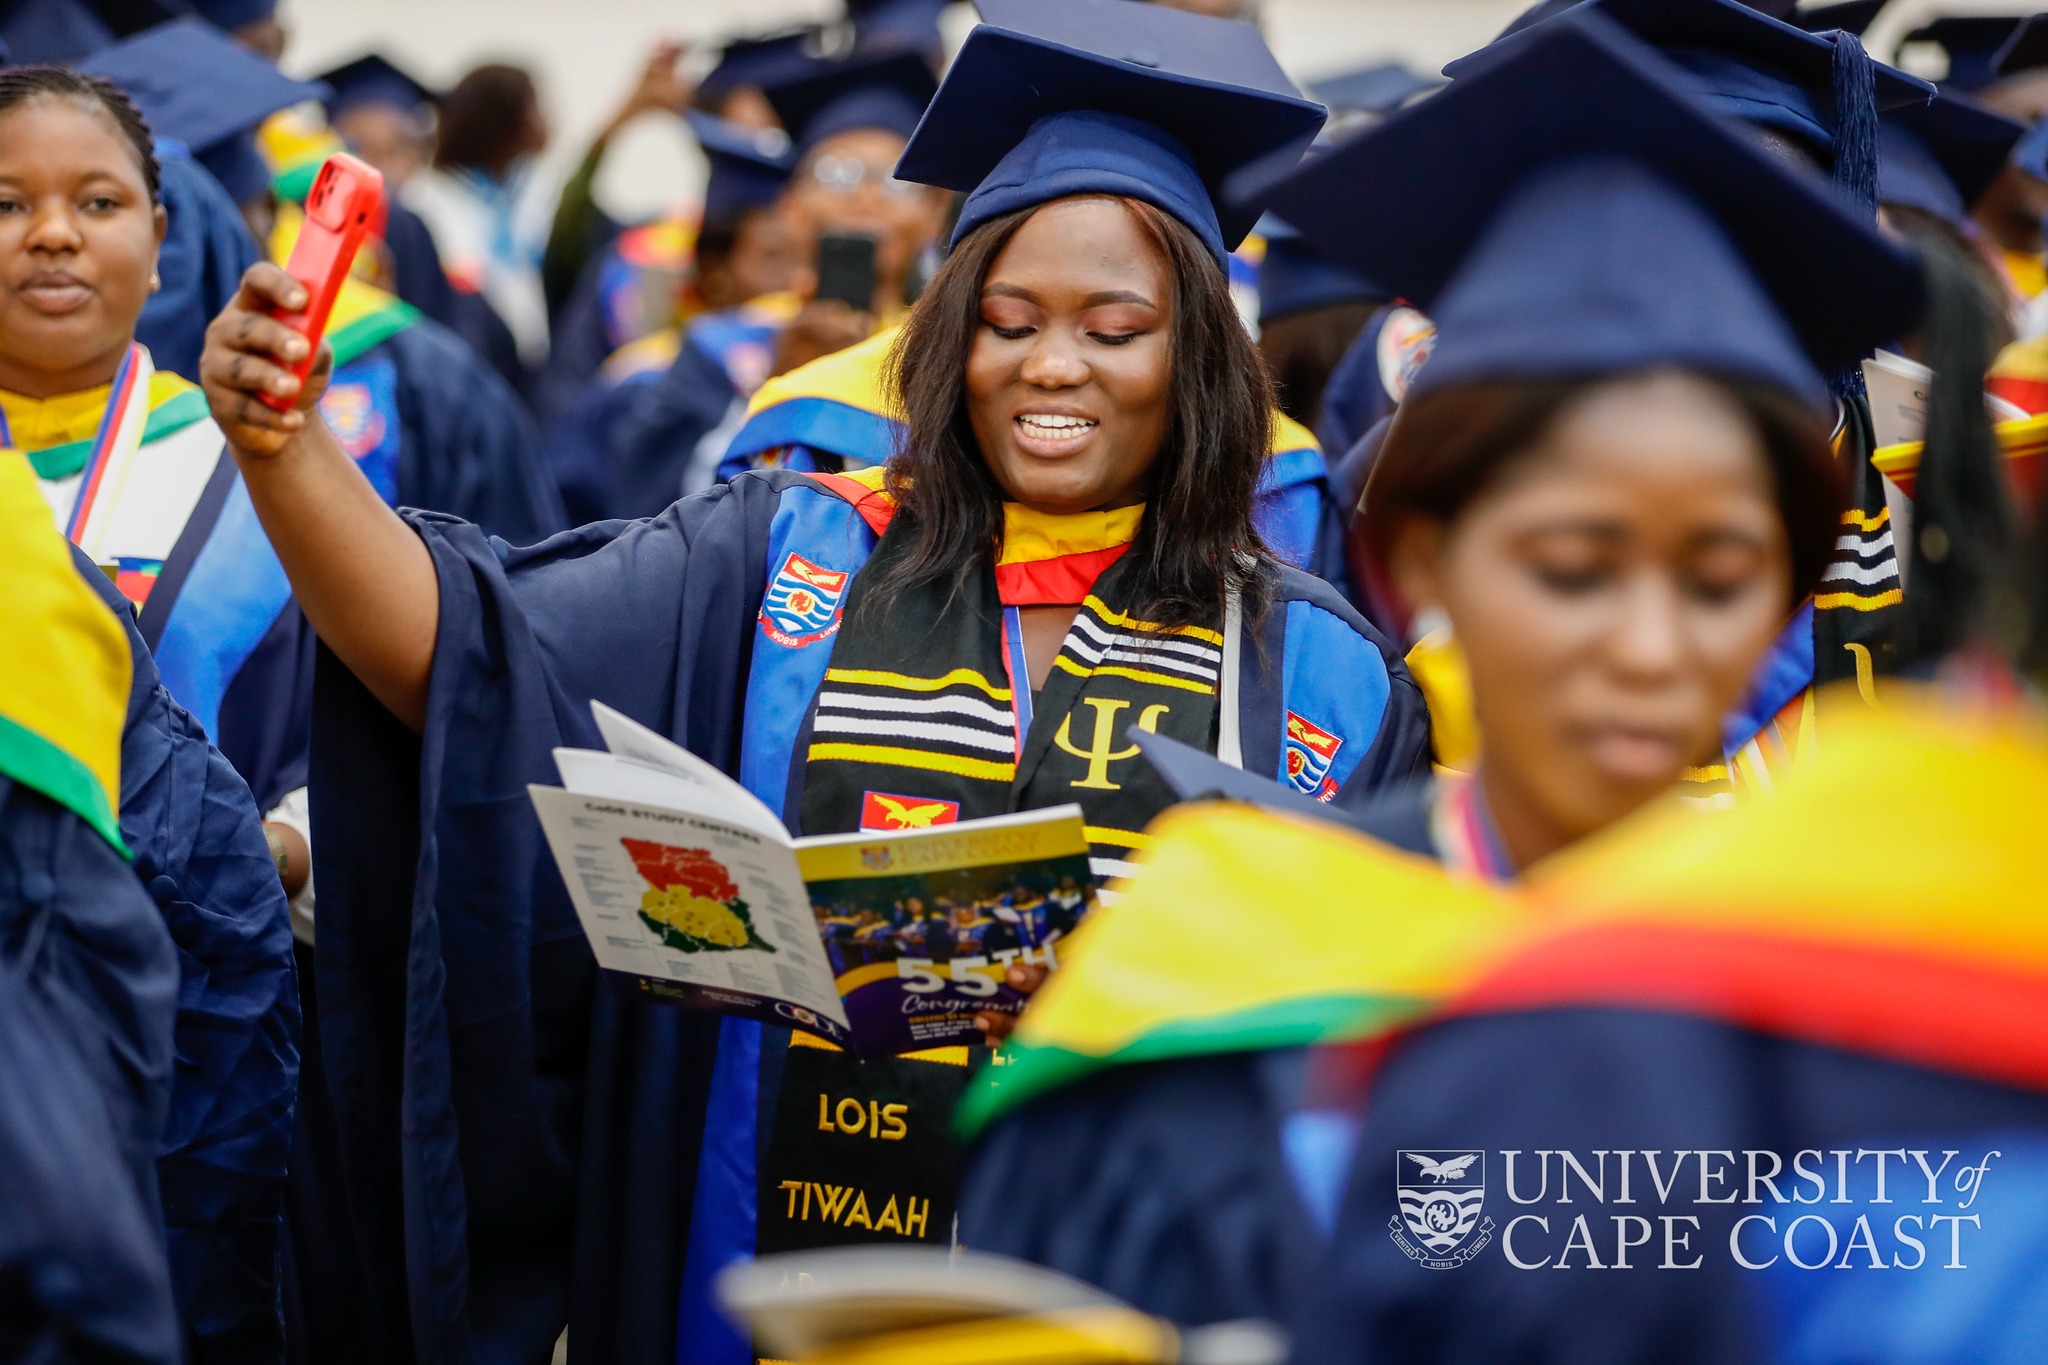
(749,166)
(1050,98)
(203,89)
(1197,775)
(2026,49)
(1760,70)
(1941,158)
(2030,153)
(1377,89)
(1972,42)
(1295,275)
(373,79)
(65,30)
(233,14)
(1850,16)
(758,61)
(879,85)
(1568,209)
(914,23)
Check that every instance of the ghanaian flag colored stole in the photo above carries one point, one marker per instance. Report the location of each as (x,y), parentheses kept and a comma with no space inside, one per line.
(928,699)
(64,664)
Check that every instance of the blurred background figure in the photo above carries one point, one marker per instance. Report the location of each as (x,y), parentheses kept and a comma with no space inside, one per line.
(486,201)
(385,116)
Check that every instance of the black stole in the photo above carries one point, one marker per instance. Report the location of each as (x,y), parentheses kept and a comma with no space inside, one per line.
(920,707)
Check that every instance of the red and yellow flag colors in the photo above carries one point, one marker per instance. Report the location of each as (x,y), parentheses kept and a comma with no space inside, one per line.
(1785,915)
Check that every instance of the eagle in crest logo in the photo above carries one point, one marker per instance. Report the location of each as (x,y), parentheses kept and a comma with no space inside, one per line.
(802,604)
(1310,750)
(1441,1196)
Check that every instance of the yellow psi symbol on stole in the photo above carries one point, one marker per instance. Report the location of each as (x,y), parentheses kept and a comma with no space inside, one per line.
(1102,750)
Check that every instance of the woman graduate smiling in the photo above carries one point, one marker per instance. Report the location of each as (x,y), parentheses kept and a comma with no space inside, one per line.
(1613,479)
(1063,550)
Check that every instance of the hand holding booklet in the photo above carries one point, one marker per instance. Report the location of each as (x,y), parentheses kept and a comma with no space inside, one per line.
(881,942)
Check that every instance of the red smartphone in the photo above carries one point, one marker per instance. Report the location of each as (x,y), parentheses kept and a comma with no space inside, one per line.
(346,198)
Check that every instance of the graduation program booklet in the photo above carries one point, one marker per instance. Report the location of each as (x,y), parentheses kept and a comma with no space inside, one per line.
(881,942)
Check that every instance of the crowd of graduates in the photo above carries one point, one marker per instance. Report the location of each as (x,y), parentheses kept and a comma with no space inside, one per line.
(1535,578)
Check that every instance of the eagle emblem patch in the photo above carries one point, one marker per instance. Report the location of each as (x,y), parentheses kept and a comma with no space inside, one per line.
(1310,750)
(802,604)
(886,810)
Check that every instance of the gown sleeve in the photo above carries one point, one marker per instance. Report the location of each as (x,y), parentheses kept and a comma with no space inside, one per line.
(458,996)
(470,447)
(1161,1183)
(88,984)
(199,849)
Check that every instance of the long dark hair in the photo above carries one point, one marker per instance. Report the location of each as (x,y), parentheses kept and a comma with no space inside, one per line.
(1447,447)
(1197,540)
(20,84)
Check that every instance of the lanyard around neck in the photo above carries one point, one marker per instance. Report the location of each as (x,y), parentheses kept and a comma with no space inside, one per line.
(110,462)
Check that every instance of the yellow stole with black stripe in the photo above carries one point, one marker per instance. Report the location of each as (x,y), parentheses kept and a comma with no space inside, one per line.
(928,702)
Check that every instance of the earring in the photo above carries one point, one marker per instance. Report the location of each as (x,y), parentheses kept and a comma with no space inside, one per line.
(155,282)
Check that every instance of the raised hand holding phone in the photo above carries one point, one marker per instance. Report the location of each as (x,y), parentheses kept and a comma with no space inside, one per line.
(347,197)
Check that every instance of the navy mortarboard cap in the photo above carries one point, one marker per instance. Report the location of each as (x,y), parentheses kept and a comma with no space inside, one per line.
(1569,209)
(911,22)
(2025,50)
(65,30)
(1850,16)
(749,166)
(2030,153)
(1373,90)
(373,79)
(1972,42)
(200,87)
(875,86)
(1941,158)
(1295,275)
(758,62)
(1050,98)
(1820,88)
(234,14)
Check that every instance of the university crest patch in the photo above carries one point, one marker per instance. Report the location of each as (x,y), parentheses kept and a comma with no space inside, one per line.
(1310,751)
(351,413)
(802,605)
(1441,1195)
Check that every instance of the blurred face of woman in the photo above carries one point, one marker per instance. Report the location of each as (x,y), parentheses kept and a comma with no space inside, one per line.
(1070,374)
(847,184)
(1611,593)
(78,246)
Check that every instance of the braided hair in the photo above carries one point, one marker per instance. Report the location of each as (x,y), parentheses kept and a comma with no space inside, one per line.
(20,84)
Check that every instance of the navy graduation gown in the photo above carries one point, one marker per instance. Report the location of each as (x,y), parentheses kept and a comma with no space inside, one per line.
(1585,1080)
(88,990)
(199,849)
(522,1143)
(206,248)
(1187,1188)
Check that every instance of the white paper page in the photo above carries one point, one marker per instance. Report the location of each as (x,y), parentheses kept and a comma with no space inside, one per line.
(628,738)
(586,834)
(590,773)
(1898,390)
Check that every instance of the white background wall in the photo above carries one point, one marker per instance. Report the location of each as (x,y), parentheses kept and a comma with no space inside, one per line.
(585,54)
